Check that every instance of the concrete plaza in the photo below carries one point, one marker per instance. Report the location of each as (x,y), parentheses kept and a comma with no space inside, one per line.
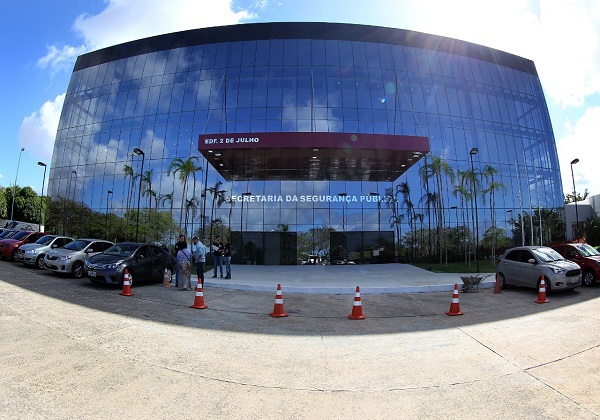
(71,349)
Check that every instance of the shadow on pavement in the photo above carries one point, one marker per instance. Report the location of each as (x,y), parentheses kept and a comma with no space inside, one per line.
(309,314)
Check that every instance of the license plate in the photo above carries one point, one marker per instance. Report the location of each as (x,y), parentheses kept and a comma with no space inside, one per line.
(92,273)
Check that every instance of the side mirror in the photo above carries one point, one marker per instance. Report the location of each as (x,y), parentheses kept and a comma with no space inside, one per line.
(54,246)
(89,250)
(140,256)
(531,261)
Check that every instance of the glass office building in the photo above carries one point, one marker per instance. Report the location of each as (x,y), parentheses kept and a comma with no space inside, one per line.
(365,135)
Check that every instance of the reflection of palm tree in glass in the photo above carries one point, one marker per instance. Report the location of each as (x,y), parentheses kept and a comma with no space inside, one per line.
(218,198)
(184,169)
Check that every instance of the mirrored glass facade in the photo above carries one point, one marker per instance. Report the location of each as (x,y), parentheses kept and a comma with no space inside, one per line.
(167,94)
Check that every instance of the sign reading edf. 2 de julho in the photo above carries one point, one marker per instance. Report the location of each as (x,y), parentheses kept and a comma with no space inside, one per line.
(231,140)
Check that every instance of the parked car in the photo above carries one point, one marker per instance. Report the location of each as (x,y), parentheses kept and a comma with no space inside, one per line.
(585,256)
(70,258)
(525,265)
(9,246)
(7,233)
(144,262)
(33,254)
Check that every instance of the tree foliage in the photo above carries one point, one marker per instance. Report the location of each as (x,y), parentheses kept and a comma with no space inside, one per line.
(571,198)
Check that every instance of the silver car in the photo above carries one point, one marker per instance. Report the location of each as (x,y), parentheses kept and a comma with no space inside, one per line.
(71,257)
(33,254)
(525,265)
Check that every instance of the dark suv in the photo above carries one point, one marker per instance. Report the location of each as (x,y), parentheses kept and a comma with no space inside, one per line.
(585,256)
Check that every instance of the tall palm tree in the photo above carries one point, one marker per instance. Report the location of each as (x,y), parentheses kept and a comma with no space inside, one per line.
(164,198)
(391,202)
(404,190)
(128,170)
(229,200)
(148,191)
(437,170)
(462,190)
(184,169)
(488,173)
(218,198)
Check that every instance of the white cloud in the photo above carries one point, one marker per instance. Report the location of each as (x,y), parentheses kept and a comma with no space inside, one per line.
(562,38)
(60,59)
(578,143)
(38,130)
(128,20)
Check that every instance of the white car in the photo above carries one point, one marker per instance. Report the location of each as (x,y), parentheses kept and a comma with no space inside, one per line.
(71,257)
(33,254)
(526,265)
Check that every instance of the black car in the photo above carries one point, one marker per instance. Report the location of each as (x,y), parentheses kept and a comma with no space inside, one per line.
(144,262)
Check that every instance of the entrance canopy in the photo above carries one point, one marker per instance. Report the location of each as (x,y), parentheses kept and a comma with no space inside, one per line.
(312,156)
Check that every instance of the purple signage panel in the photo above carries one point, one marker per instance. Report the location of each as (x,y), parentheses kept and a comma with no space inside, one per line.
(314,140)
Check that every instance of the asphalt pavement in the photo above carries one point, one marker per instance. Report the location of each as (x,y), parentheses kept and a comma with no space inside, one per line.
(72,349)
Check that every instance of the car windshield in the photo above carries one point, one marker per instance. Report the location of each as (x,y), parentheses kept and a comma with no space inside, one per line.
(76,245)
(7,234)
(547,255)
(45,240)
(587,250)
(121,250)
(20,235)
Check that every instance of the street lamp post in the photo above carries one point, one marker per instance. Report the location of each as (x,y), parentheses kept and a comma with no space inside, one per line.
(375,194)
(473,152)
(42,197)
(343,196)
(573,162)
(138,152)
(12,206)
(242,253)
(108,193)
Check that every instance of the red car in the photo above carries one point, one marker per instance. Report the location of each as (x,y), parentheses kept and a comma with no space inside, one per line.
(9,247)
(586,257)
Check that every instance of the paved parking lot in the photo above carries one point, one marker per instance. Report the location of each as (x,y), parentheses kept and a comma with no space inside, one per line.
(72,349)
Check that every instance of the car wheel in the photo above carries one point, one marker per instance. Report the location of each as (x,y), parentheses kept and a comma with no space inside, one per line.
(39,262)
(12,254)
(588,278)
(502,281)
(77,269)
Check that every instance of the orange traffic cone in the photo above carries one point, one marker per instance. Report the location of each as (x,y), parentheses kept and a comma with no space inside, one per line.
(278,310)
(126,284)
(199,299)
(357,312)
(455,305)
(497,288)
(166,279)
(542,292)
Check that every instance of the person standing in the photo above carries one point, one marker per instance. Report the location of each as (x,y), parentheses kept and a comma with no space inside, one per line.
(184,262)
(179,245)
(199,258)
(227,256)
(217,250)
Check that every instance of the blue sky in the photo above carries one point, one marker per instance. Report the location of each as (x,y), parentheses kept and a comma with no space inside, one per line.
(40,40)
